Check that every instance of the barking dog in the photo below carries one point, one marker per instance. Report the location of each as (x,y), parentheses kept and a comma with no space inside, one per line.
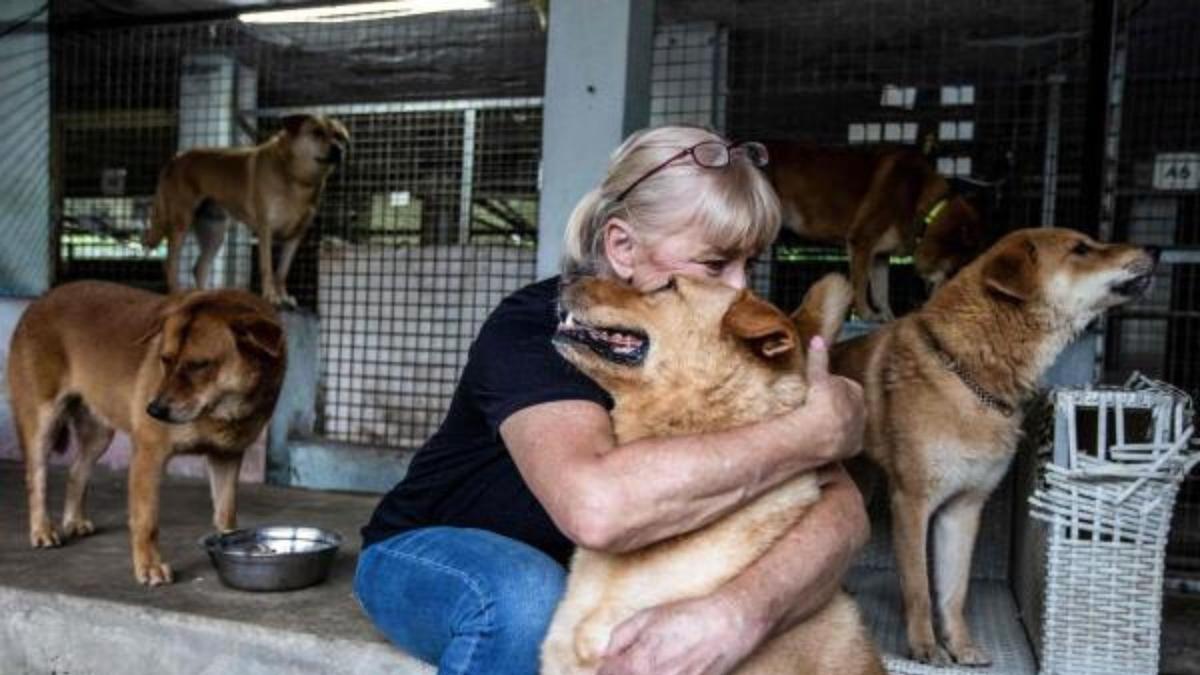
(698,357)
(944,388)
(876,203)
(196,373)
(274,188)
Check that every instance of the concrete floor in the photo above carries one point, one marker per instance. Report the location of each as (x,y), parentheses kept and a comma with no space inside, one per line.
(77,609)
(93,577)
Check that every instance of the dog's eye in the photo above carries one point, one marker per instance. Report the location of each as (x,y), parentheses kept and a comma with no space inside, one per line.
(669,286)
(1081,249)
(198,365)
(319,133)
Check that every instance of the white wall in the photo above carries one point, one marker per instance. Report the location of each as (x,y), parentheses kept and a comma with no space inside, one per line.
(396,323)
(25,150)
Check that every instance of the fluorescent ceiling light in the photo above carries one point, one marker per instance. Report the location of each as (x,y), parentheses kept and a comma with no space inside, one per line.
(363,11)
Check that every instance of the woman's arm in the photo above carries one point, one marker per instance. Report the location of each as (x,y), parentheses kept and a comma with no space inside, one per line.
(619,498)
(793,579)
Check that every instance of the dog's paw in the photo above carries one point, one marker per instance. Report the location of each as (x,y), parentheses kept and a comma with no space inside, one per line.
(930,652)
(153,574)
(80,527)
(969,654)
(44,536)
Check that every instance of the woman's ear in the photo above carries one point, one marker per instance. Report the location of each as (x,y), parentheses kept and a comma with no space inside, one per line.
(619,247)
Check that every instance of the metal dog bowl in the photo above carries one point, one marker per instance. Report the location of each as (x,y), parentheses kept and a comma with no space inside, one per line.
(275,558)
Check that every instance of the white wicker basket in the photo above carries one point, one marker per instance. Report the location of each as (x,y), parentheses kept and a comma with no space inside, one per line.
(1107,498)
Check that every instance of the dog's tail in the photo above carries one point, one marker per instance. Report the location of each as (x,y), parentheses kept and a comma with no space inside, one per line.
(156,227)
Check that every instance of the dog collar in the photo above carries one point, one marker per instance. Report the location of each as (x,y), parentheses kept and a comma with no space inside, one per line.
(953,365)
(925,220)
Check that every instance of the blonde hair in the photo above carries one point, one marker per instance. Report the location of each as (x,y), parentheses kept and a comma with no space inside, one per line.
(735,205)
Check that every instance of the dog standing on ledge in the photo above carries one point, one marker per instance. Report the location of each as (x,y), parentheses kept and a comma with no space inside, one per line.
(274,188)
(193,373)
(875,202)
(945,387)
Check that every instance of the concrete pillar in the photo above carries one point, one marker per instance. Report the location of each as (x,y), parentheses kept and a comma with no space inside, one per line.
(25,257)
(597,92)
(217,104)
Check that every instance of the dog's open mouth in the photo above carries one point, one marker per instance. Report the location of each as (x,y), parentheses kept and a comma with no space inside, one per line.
(1134,287)
(623,346)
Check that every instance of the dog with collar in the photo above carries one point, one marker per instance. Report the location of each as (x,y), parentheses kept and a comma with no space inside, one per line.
(274,188)
(945,386)
(876,202)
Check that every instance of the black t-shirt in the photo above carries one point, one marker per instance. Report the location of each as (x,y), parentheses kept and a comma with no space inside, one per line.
(463,476)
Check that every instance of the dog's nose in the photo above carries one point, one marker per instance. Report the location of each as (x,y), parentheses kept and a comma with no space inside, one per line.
(158,411)
(335,154)
(1153,252)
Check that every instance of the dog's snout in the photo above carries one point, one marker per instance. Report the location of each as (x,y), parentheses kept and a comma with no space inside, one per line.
(1153,251)
(335,153)
(158,410)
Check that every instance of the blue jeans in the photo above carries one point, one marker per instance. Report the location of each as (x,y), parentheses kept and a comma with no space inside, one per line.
(470,601)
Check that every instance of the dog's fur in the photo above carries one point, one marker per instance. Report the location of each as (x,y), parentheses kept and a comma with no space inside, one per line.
(274,188)
(712,358)
(192,373)
(944,447)
(876,203)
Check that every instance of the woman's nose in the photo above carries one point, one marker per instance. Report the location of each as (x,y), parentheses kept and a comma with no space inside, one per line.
(735,276)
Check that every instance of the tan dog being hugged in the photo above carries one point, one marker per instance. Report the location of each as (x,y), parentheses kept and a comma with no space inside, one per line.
(274,188)
(696,357)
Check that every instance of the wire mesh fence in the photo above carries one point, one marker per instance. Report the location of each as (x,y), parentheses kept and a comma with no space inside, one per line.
(427,223)
(968,83)
(1156,132)
(992,91)
(432,217)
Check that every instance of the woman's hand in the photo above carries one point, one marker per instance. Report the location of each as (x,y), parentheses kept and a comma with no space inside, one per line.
(702,636)
(833,411)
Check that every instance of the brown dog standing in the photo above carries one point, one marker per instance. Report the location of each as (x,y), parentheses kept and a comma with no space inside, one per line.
(194,373)
(944,388)
(274,188)
(876,202)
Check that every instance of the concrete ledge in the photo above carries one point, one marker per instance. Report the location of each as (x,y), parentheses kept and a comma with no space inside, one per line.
(77,609)
(58,633)
(325,465)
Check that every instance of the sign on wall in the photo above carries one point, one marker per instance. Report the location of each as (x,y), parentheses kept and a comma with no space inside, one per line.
(1177,171)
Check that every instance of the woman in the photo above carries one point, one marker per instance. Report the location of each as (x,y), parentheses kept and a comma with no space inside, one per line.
(463,561)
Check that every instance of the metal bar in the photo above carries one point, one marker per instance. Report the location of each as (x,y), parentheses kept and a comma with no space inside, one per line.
(1050,163)
(1163,314)
(1096,126)
(383,107)
(466,177)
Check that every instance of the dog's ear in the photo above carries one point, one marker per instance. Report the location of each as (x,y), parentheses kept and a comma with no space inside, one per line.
(824,308)
(760,324)
(340,129)
(1010,273)
(293,123)
(259,334)
(155,329)
(173,304)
